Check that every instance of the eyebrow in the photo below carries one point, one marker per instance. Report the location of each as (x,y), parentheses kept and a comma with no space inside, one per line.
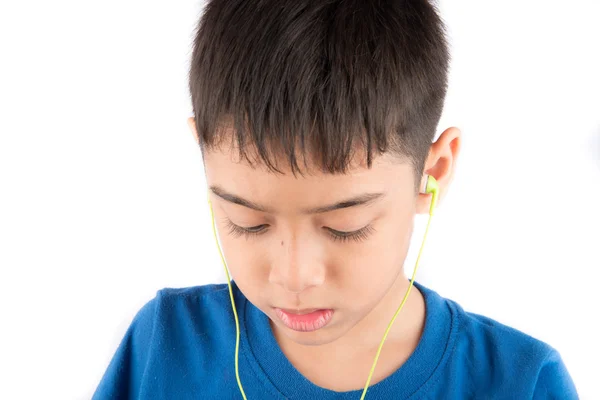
(359,200)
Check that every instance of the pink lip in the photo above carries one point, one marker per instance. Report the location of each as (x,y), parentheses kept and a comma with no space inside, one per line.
(305,320)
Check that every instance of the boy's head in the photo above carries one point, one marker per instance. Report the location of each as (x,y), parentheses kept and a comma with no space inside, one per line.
(300,105)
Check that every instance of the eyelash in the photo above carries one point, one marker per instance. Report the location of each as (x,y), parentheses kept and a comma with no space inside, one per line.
(358,236)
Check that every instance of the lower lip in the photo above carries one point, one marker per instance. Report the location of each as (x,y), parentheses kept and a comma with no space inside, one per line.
(307,322)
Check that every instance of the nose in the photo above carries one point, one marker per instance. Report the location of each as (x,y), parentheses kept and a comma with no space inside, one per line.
(298,267)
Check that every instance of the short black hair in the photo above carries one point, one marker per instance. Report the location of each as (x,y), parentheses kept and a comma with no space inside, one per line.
(340,75)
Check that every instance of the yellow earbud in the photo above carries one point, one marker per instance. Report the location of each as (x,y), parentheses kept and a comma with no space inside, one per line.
(431,187)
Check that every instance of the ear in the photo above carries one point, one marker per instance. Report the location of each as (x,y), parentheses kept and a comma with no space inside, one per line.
(440,163)
(192,125)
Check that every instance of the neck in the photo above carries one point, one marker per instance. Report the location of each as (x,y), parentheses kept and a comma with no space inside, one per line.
(407,326)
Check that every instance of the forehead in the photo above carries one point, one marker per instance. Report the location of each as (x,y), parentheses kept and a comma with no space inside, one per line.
(228,170)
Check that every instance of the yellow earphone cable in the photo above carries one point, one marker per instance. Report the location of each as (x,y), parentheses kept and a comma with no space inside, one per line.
(397,312)
(237,322)
(430,188)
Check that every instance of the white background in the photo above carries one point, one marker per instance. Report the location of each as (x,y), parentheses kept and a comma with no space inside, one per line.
(103,198)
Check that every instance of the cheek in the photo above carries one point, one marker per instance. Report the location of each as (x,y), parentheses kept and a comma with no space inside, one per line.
(247,264)
(365,275)
(386,248)
(249,273)
(369,268)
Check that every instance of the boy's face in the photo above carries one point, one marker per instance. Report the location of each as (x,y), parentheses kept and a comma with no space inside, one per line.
(296,262)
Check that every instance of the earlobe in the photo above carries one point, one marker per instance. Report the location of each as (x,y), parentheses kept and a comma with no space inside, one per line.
(423,203)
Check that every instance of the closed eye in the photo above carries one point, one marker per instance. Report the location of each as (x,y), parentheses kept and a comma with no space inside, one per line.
(358,235)
(248,232)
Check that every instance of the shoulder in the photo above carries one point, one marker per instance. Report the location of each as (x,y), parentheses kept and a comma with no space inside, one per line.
(194,302)
(494,354)
(205,293)
(479,335)
(492,332)
(171,307)
(170,335)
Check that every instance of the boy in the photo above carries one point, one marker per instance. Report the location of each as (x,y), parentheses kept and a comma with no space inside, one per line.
(316,248)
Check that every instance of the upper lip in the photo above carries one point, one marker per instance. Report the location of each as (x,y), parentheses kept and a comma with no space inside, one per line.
(299,311)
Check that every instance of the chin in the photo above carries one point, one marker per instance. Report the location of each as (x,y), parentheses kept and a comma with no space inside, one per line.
(313,340)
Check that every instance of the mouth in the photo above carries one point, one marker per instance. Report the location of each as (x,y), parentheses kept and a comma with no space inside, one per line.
(306,320)
(304,311)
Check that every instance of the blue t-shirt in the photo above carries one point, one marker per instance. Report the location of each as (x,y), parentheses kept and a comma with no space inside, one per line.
(181,345)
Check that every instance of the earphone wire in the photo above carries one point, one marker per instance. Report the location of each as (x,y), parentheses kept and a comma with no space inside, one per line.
(397,311)
(237,324)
